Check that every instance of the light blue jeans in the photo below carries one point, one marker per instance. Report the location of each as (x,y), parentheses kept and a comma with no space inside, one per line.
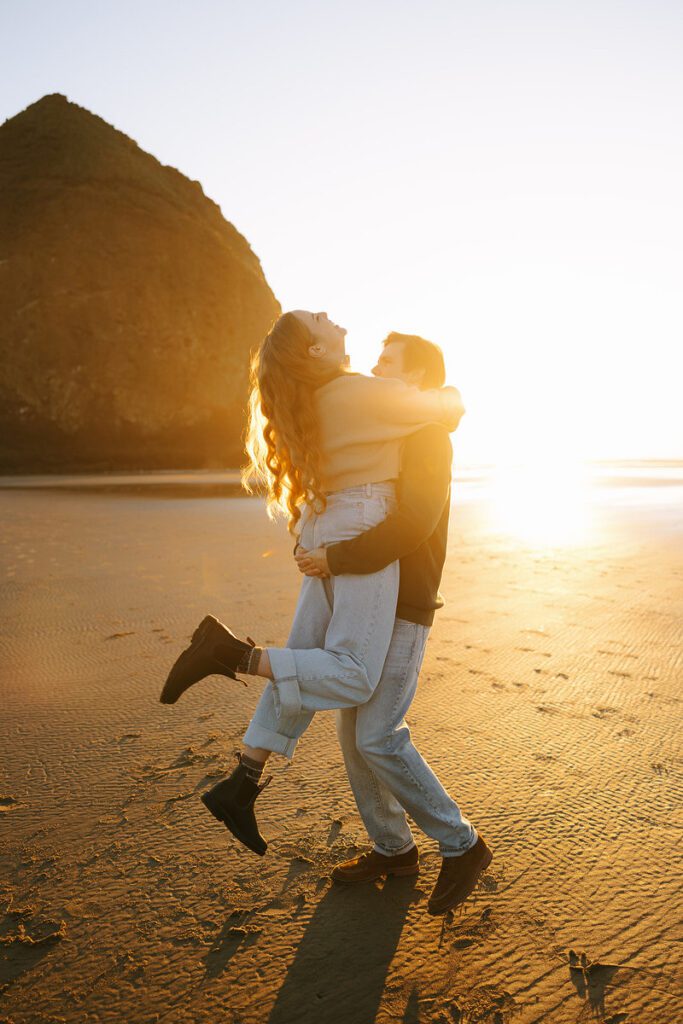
(387,773)
(341,630)
(347,652)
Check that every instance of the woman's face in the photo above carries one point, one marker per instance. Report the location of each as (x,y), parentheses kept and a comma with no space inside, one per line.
(329,339)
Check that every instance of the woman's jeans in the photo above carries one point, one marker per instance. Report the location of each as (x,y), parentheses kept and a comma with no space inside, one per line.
(347,652)
(341,630)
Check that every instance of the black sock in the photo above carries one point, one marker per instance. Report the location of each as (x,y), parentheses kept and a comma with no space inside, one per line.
(250,661)
(253,769)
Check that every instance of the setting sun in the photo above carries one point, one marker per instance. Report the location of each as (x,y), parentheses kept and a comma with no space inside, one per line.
(544,503)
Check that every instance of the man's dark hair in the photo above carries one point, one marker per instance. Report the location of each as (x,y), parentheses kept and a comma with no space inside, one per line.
(420,354)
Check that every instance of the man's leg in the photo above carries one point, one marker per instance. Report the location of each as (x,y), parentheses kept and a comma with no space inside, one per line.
(384,819)
(390,770)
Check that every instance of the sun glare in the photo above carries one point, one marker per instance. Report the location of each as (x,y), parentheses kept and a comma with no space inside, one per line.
(544,503)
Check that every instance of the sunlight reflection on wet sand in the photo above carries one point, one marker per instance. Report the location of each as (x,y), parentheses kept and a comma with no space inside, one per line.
(568,504)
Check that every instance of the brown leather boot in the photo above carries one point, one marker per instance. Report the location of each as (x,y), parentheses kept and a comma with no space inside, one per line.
(458,877)
(373,865)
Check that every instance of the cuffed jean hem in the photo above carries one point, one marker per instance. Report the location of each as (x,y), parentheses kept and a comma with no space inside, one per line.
(394,853)
(258,736)
(459,853)
(286,693)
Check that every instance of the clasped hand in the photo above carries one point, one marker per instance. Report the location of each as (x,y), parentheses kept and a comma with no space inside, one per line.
(312,563)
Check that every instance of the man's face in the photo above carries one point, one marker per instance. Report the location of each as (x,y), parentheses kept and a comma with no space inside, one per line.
(390,364)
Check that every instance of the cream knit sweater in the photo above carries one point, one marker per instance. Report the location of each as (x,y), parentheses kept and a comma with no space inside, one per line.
(364,419)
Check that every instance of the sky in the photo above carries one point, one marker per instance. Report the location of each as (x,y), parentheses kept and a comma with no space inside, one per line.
(503,178)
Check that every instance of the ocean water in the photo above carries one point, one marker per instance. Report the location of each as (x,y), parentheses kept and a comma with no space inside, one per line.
(544,503)
(629,476)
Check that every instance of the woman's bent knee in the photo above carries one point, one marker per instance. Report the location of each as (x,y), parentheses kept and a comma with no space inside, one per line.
(356,675)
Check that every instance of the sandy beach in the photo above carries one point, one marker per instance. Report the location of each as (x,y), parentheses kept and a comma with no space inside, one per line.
(549,704)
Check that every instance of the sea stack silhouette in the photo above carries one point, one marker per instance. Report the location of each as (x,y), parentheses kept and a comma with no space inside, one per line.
(128,304)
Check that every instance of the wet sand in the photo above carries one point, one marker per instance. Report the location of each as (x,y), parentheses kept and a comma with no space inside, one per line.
(548,704)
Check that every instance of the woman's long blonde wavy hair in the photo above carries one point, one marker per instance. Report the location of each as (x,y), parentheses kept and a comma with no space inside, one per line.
(282,439)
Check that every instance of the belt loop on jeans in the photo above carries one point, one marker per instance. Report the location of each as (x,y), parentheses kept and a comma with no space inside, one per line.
(368,490)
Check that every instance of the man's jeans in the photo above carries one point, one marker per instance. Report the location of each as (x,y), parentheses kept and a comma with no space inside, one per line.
(341,630)
(388,775)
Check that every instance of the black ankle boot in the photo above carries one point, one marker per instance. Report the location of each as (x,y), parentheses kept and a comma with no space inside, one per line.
(232,802)
(214,650)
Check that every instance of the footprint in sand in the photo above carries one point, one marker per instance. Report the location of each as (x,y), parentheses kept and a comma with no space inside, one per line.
(604,712)
(335,829)
(488,1004)
(617,654)
(461,936)
(663,698)
(189,756)
(230,939)
(298,866)
(43,931)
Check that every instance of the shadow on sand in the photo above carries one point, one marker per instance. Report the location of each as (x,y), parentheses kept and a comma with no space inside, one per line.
(339,970)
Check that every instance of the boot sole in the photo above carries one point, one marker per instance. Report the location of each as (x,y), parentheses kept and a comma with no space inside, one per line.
(230,824)
(409,869)
(443,909)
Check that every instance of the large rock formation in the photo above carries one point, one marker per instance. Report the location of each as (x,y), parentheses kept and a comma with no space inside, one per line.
(128,304)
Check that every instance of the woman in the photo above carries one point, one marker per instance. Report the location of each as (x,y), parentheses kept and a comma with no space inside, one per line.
(325,444)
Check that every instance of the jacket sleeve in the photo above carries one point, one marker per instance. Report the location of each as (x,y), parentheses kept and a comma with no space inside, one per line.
(422,493)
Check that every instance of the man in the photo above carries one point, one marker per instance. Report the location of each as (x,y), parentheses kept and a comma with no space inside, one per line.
(388,775)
